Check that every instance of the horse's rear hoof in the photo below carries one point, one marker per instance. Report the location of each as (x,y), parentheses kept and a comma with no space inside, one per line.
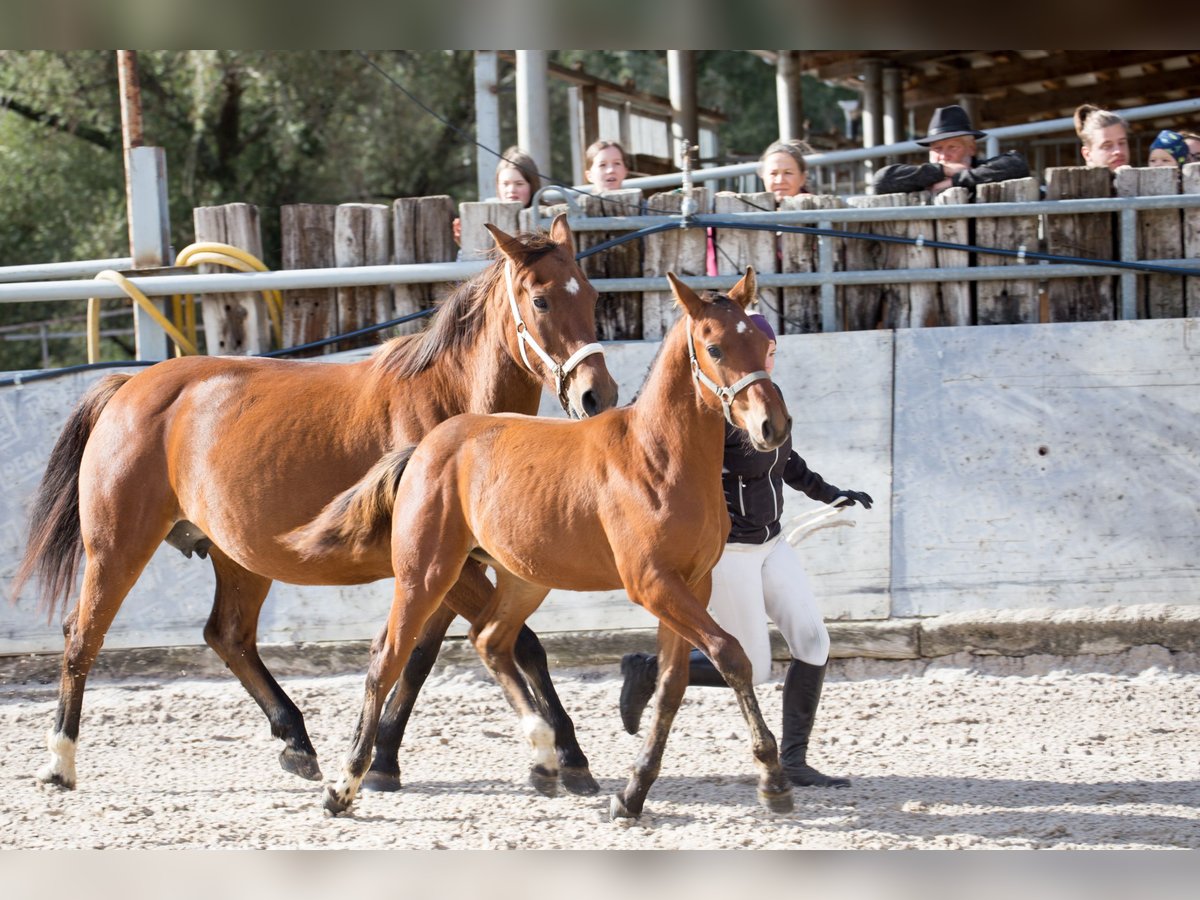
(55,779)
(299,763)
(543,781)
(617,810)
(578,781)
(777,801)
(383,782)
(335,801)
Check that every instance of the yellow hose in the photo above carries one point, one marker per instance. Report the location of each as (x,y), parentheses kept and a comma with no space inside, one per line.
(183,308)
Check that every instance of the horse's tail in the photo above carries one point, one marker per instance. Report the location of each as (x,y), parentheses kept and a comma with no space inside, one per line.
(55,544)
(359,516)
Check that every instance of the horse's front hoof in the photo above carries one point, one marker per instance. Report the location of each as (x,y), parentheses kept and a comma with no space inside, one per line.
(777,801)
(544,781)
(617,810)
(383,782)
(49,776)
(336,801)
(300,763)
(578,781)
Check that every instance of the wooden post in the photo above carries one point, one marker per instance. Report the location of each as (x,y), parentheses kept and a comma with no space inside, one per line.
(954,297)
(476,240)
(618,315)
(1191,236)
(309,314)
(871,306)
(798,253)
(924,309)
(1090,235)
(421,233)
(737,249)
(1007,302)
(234,324)
(362,236)
(1159,237)
(679,250)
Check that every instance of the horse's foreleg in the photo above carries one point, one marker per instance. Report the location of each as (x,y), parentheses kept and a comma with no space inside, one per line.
(232,631)
(672,680)
(384,774)
(494,638)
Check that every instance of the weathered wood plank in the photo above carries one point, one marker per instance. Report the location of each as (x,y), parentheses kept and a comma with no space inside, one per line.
(954,297)
(234,324)
(1090,236)
(737,249)
(800,253)
(679,250)
(1191,236)
(309,314)
(476,240)
(1160,236)
(870,306)
(618,315)
(1007,302)
(362,236)
(422,232)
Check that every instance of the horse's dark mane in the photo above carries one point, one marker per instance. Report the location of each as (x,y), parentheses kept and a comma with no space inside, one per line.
(459,319)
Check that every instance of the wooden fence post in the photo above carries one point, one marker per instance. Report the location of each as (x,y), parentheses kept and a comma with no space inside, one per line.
(1159,237)
(679,250)
(798,253)
(422,232)
(1089,235)
(1191,236)
(923,309)
(362,236)
(1007,302)
(306,235)
(736,249)
(234,324)
(870,306)
(476,240)
(954,296)
(618,315)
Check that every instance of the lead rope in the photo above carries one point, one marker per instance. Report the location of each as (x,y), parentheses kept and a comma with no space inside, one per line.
(524,337)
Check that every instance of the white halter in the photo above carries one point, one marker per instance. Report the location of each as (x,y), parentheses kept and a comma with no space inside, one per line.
(724,394)
(524,337)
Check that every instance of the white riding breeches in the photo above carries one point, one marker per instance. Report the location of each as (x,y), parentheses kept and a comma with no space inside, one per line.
(752,583)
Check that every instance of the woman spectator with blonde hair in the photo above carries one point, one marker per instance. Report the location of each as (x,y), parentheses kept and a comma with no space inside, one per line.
(1104,137)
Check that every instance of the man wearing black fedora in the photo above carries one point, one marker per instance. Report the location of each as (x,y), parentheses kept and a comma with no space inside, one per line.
(952,163)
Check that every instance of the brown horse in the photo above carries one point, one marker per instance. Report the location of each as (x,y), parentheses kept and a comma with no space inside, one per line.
(631,498)
(222,456)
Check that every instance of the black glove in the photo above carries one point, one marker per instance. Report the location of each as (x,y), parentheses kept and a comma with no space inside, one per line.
(852,497)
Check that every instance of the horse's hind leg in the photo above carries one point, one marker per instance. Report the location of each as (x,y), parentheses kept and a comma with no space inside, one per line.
(384,774)
(232,631)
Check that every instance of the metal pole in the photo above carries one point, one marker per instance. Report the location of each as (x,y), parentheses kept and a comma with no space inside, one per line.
(789,95)
(893,105)
(681,85)
(872,109)
(487,121)
(533,106)
(146,203)
(1129,280)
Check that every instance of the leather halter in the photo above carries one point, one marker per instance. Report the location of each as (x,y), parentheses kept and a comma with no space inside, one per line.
(524,337)
(725,394)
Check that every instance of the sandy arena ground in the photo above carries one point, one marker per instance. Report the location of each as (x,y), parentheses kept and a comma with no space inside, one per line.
(961,752)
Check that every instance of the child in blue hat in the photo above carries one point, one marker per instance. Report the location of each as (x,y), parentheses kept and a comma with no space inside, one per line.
(1168,149)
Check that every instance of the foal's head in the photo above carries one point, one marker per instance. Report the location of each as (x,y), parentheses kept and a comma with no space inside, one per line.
(553,310)
(729,361)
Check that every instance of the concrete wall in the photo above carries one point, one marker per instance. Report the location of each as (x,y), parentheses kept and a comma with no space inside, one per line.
(1012,467)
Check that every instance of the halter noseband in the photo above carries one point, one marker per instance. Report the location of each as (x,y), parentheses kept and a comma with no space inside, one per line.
(524,337)
(724,394)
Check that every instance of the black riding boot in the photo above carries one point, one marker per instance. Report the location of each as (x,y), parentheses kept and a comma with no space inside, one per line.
(801,695)
(641,674)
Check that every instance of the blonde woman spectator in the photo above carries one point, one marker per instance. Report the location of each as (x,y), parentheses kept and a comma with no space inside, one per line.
(952,162)
(1104,137)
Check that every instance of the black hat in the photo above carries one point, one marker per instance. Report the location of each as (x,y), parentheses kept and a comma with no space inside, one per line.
(949,122)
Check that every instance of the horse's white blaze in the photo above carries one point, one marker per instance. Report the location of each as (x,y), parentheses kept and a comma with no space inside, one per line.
(541,737)
(742,328)
(572,286)
(62,759)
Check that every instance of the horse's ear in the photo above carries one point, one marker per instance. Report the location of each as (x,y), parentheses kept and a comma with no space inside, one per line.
(745,291)
(685,296)
(560,233)
(507,244)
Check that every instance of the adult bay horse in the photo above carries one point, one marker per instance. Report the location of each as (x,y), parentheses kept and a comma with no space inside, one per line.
(221,456)
(631,498)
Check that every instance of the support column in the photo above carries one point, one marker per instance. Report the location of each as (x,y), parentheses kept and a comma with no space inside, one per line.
(893,105)
(789,94)
(533,106)
(872,110)
(487,121)
(681,76)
